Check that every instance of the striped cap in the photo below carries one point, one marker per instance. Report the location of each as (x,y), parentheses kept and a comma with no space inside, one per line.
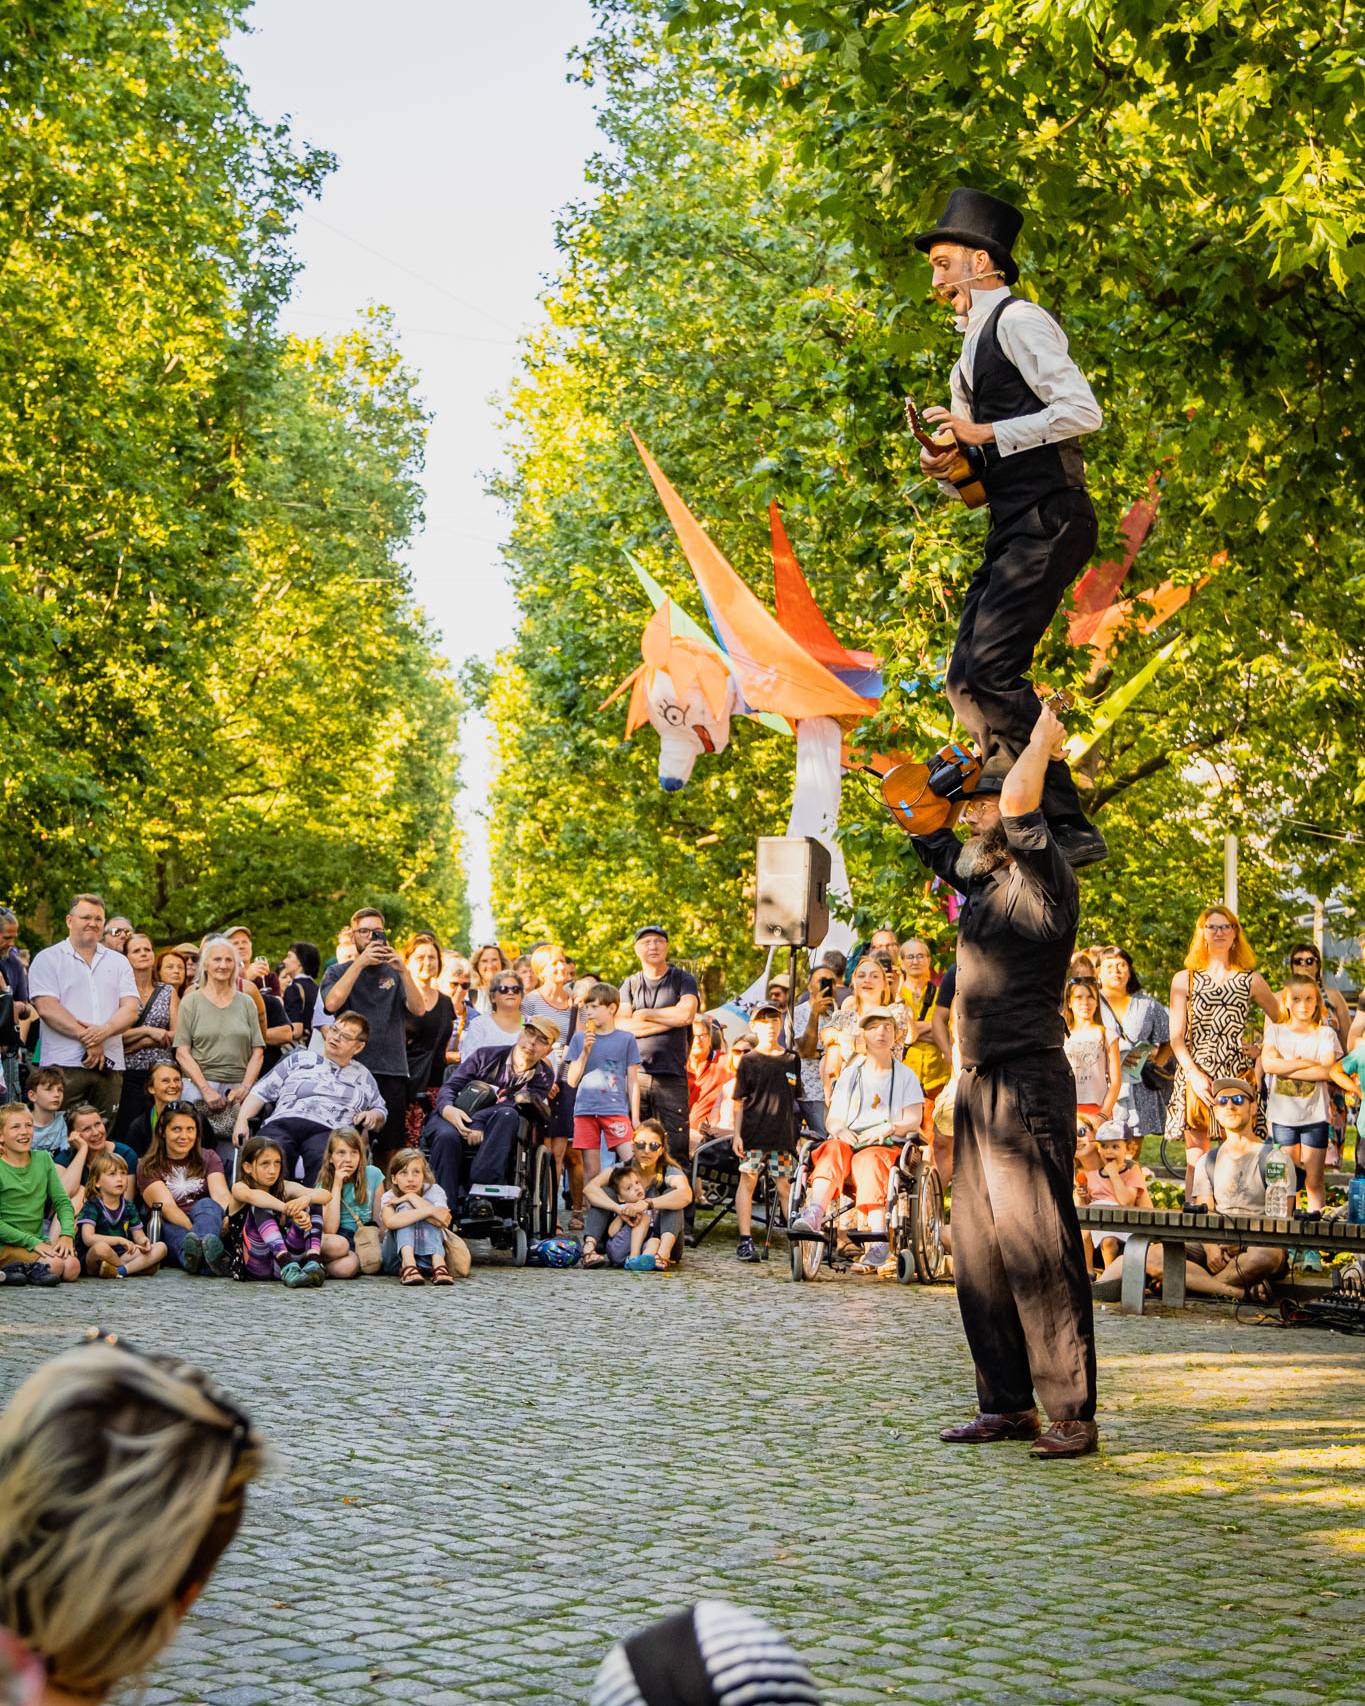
(713,1654)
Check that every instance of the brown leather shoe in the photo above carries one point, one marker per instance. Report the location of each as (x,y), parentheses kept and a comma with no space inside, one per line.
(1067,1439)
(986,1428)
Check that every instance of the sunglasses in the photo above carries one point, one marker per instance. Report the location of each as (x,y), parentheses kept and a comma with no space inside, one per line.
(507,989)
(1230,1101)
(647,1147)
(236,1423)
(1303,960)
(459,983)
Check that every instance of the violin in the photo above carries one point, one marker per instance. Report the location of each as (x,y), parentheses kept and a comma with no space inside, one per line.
(967,469)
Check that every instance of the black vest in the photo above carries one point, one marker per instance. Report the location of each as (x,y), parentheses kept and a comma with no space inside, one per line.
(1000,393)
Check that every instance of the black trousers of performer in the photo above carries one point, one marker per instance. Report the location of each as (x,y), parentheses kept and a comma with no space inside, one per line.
(663,1097)
(1029,563)
(456,1164)
(1018,1259)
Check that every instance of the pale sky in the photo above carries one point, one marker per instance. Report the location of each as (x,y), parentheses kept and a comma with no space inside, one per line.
(458,139)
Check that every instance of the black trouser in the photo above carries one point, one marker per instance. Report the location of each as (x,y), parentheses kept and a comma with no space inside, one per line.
(393,1134)
(1018,1259)
(304,1140)
(457,1164)
(664,1098)
(132,1101)
(1029,563)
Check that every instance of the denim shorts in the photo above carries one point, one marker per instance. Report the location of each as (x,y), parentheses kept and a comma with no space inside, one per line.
(1313,1136)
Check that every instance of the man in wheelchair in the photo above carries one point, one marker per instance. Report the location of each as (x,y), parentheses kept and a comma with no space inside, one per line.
(471,1136)
(877,1103)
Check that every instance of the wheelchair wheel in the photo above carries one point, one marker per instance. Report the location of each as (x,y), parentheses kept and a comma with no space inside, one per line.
(927,1233)
(544,1207)
(806,1256)
(521,1244)
(905,1267)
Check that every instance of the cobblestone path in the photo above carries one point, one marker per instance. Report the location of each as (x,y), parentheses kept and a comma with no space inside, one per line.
(475,1490)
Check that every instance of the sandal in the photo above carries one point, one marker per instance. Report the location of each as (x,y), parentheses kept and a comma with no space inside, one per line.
(440,1274)
(594,1259)
(411,1274)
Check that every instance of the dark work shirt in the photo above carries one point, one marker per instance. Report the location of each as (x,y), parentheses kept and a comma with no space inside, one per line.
(768,1085)
(665,1055)
(377,994)
(12,970)
(300,1000)
(1015,938)
(275,1014)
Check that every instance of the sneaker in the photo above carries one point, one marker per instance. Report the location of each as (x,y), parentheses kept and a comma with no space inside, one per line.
(873,1257)
(215,1255)
(192,1253)
(315,1271)
(644,1263)
(810,1219)
(111,1270)
(745,1252)
(40,1274)
(293,1275)
(15,1273)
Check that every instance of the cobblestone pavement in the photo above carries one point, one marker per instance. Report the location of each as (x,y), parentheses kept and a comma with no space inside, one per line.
(475,1490)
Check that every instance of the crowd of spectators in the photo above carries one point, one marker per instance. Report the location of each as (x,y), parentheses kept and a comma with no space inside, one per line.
(310,1118)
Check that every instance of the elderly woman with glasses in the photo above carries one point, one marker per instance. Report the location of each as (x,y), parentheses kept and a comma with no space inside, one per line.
(1210,1005)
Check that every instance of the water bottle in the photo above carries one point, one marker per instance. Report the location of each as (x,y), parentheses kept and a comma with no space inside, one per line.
(1355,1200)
(1276,1189)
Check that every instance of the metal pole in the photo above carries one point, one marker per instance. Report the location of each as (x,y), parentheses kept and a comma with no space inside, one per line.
(1317,930)
(1230,872)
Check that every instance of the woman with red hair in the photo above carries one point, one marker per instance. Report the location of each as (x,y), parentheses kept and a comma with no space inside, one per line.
(1210,1003)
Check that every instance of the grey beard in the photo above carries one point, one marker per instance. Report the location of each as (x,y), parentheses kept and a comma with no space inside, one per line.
(984,853)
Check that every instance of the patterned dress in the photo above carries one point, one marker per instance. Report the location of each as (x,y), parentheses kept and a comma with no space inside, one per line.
(1216,1015)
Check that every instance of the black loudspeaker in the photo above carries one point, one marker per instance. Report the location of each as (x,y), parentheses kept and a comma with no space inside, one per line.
(792,891)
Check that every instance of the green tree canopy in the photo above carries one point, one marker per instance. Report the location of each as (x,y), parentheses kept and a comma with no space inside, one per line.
(216,693)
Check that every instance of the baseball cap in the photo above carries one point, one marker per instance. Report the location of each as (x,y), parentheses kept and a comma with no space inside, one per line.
(1233,1085)
(651,930)
(547,1027)
(874,1013)
(766,1007)
(1111,1131)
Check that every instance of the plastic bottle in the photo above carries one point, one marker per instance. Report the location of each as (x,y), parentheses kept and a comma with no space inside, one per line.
(1355,1199)
(1276,1189)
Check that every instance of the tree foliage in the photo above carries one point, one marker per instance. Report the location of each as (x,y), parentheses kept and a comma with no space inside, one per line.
(743,287)
(216,694)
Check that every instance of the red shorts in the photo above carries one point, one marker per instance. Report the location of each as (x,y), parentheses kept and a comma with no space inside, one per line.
(590,1129)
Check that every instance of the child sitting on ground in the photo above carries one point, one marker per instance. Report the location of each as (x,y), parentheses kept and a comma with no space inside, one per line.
(275,1231)
(31,1191)
(413,1212)
(46,1092)
(1111,1177)
(352,1188)
(110,1224)
(628,1236)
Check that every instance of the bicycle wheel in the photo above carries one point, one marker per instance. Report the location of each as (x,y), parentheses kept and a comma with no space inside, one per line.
(1173,1157)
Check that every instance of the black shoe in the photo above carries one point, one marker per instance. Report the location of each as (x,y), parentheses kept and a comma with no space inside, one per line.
(745,1251)
(15,1273)
(40,1274)
(1079,841)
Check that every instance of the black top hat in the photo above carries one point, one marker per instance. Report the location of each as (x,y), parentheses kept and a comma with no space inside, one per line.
(978,221)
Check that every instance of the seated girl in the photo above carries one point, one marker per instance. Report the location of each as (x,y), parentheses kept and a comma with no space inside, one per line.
(667,1193)
(352,1187)
(877,1103)
(186,1181)
(275,1230)
(109,1225)
(413,1213)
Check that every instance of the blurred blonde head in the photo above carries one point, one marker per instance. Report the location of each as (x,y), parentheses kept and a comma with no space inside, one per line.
(122,1481)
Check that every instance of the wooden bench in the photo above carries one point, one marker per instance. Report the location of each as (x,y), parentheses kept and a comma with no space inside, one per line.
(1173,1229)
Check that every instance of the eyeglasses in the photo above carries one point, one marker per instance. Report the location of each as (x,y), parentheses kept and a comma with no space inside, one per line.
(1230,1101)
(1219,929)
(347,1036)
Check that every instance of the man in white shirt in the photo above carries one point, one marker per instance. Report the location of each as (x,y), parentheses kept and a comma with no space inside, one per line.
(1019,406)
(86,996)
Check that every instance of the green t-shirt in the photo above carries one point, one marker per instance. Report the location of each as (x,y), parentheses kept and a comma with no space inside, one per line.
(28,1197)
(355,1213)
(220,1038)
(1354,1063)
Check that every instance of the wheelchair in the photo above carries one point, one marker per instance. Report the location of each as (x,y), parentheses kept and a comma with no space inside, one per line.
(514,1215)
(914,1219)
(715,1180)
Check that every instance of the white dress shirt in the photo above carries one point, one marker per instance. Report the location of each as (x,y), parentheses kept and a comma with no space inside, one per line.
(1033,341)
(89,992)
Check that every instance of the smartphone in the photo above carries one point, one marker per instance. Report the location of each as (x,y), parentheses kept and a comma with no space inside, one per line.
(381,937)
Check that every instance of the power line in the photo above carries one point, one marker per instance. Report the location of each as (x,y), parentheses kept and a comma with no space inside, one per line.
(421,278)
(348,324)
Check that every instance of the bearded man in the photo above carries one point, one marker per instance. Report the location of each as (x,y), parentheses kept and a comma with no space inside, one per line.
(1018,1258)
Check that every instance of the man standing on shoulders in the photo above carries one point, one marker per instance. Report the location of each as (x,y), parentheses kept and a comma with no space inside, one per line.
(378,986)
(1019,406)
(658,1005)
(1018,1259)
(86,996)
